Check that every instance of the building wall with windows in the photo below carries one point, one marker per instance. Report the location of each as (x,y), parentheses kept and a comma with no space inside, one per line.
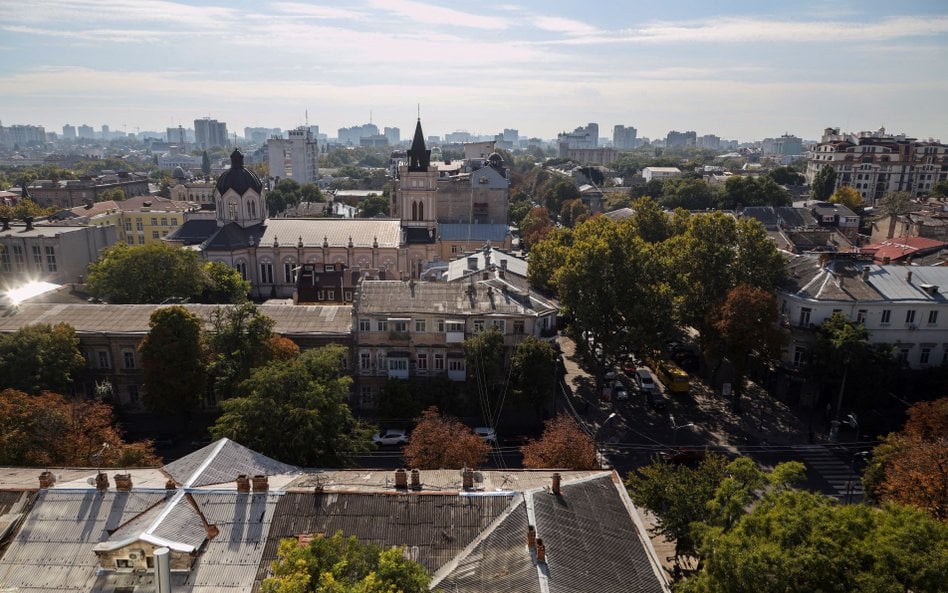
(404,330)
(904,306)
(876,163)
(51,253)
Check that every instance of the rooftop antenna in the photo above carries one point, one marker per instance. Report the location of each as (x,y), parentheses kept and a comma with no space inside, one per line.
(370,116)
(419,111)
(307,117)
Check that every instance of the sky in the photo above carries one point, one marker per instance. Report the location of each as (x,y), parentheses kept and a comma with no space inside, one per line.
(741,70)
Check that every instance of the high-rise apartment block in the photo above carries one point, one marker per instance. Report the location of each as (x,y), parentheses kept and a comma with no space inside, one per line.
(876,163)
(624,138)
(394,135)
(710,141)
(786,145)
(177,136)
(86,132)
(69,132)
(22,135)
(209,133)
(353,136)
(581,137)
(676,139)
(296,158)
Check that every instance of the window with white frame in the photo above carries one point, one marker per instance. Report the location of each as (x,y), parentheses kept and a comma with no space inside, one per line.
(804,317)
(18,259)
(381,359)
(398,364)
(440,323)
(932,317)
(500,324)
(103,358)
(382,325)
(128,358)
(330,295)
(924,356)
(5,260)
(439,362)
(886,316)
(799,356)
(241,267)
(910,316)
(37,257)
(478,326)
(400,326)
(518,326)
(365,360)
(422,361)
(365,325)
(289,274)
(455,364)
(861,316)
(420,325)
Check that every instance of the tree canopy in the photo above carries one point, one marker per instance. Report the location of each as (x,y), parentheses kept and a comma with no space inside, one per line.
(373,206)
(847,196)
(239,343)
(534,368)
(297,411)
(563,445)
(824,184)
(443,443)
(173,361)
(741,191)
(910,466)
(150,273)
(41,357)
(45,430)
(338,564)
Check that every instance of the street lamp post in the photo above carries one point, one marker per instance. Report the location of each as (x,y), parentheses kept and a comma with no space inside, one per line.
(676,428)
(608,419)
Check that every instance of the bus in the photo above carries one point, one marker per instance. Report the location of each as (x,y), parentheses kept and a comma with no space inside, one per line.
(671,375)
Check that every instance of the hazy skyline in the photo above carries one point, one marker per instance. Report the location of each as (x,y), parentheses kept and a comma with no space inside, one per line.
(745,70)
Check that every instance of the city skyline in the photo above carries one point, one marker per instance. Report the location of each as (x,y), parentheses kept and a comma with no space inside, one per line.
(742,71)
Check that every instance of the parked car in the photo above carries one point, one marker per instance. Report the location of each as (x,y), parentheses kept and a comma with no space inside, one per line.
(656,400)
(644,380)
(392,436)
(488,434)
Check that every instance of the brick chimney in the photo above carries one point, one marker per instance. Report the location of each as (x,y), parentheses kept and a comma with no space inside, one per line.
(908,276)
(101,481)
(556,484)
(531,536)
(29,222)
(123,482)
(243,483)
(401,479)
(171,485)
(541,551)
(415,479)
(467,478)
(865,273)
(5,222)
(47,479)
(260,483)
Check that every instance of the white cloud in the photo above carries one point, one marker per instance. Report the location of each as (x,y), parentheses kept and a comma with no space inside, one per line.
(73,12)
(318,12)
(562,25)
(432,14)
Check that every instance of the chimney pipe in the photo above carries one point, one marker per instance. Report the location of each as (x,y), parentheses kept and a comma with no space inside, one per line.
(541,551)
(101,481)
(467,478)
(415,479)
(865,273)
(908,276)
(123,482)
(163,570)
(6,223)
(243,483)
(47,479)
(401,479)
(29,222)
(260,483)
(556,484)
(170,485)
(531,536)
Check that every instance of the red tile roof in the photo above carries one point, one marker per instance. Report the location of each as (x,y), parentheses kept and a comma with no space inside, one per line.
(902,247)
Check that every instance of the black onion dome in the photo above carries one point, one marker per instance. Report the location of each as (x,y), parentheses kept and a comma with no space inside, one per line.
(237,177)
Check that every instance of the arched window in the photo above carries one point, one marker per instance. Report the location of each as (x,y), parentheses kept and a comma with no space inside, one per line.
(421,210)
(414,210)
(253,208)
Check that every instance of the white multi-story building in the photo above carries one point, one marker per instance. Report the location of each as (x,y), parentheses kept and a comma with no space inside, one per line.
(904,306)
(876,163)
(295,158)
(650,173)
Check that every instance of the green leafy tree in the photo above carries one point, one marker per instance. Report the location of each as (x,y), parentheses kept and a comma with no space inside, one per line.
(535,226)
(847,196)
(223,284)
(614,284)
(546,256)
(651,222)
(310,192)
(484,360)
(653,189)
(686,192)
(534,368)
(26,207)
(786,176)
(41,357)
(150,273)
(741,191)
(116,193)
(338,564)
(205,164)
(297,411)
(557,190)
(373,206)
(573,212)
(173,361)
(798,542)
(895,203)
(716,492)
(518,211)
(239,343)
(940,189)
(824,184)
(563,445)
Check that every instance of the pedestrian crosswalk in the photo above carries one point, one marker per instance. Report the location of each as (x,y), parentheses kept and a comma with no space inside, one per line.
(843,482)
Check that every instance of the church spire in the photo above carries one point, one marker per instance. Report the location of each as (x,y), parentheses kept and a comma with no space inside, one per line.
(419,158)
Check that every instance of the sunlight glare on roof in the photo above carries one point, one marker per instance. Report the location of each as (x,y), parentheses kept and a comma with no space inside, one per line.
(29,290)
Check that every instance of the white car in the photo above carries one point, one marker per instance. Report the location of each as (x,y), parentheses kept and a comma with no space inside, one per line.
(392,436)
(488,434)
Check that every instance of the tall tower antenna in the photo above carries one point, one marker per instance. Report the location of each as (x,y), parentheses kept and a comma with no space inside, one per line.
(370,116)
(307,118)
(419,111)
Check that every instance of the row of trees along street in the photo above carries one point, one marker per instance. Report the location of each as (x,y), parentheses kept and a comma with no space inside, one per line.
(630,284)
(738,528)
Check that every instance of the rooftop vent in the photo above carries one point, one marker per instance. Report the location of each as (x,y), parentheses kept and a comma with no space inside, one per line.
(931,289)
(401,479)
(47,479)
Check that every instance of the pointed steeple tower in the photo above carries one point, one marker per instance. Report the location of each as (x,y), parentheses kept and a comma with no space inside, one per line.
(419,158)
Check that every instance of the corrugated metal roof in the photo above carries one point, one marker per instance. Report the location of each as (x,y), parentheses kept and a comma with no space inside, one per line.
(458,268)
(394,297)
(591,542)
(222,461)
(90,318)
(473,232)
(499,563)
